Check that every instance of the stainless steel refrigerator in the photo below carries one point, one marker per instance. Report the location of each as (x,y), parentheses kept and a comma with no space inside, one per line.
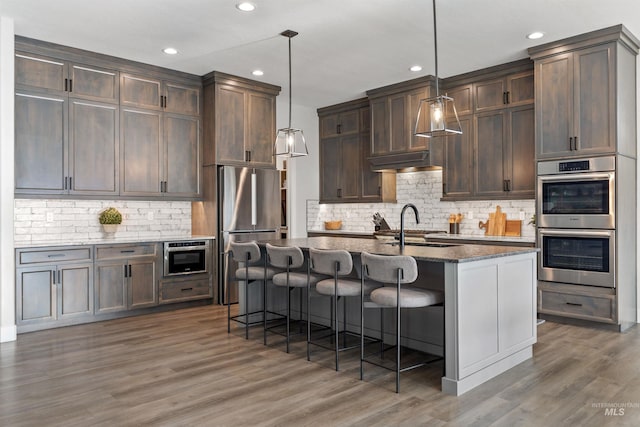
(248,209)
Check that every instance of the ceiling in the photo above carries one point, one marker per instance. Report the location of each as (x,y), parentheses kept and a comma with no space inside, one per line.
(344,47)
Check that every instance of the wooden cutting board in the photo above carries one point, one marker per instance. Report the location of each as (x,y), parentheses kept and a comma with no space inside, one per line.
(513,228)
(497,223)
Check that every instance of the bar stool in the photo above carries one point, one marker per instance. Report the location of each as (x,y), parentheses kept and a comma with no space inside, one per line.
(398,270)
(288,258)
(337,264)
(254,271)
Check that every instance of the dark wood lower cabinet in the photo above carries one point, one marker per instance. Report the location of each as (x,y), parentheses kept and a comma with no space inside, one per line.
(61,286)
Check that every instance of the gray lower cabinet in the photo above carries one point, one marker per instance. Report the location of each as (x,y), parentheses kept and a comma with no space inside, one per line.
(126,277)
(185,289)
(53,287)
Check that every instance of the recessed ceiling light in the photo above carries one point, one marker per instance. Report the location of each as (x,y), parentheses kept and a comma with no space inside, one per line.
(535,35)
(170,50)
(246,6)
(415,68)
(257,72)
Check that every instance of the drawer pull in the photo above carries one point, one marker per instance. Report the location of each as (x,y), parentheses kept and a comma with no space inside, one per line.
(127,251)
(186,289)
(56,256)
(574,304)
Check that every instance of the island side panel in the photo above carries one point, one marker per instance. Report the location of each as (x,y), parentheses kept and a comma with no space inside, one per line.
(490,319)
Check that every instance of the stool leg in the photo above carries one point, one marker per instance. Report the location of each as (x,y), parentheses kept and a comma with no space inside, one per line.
(381,333)
(308,311)
(335,317)
(264,311)
(288,308)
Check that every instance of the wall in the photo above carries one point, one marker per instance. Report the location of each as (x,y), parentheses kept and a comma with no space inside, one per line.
(7,262)
(424,189)
(76,221)
(303,172)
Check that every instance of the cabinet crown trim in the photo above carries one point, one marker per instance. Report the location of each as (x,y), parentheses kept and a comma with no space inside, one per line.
(216,77)
(606,35)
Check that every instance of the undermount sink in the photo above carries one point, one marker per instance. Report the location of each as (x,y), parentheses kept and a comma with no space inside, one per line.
(428,244)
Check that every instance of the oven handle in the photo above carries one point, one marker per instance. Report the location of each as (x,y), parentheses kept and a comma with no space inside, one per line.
(576,233)
(577,177)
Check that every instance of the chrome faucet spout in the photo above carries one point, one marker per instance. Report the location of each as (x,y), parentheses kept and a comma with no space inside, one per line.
(415,211)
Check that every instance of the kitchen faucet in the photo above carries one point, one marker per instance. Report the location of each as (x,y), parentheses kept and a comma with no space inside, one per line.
(415,211)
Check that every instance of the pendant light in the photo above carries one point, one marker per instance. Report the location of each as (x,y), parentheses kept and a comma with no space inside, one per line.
(289,141)
(440,111)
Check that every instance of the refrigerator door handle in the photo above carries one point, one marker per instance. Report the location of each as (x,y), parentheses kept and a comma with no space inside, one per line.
(254,198)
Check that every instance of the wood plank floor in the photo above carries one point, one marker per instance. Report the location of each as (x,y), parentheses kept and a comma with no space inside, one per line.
(181,368)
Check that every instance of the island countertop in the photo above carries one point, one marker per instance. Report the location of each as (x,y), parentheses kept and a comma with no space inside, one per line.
(455,253)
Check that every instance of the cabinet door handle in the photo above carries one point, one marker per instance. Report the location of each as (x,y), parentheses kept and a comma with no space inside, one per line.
(70,183)
(126,273)
(339,192)
(127,251)
(186,289)
(444,188)
(56,256)
(504,97)
(570,143)
(339,129)
(59,278)
(66,182)
(66,85)
(508,96)
(249,153)
(575,143)
(574,304)
(70,85)
(130,274)
(379,191)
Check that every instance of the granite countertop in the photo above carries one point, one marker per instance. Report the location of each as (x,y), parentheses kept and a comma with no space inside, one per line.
(109,241)
(455,254)
(342,232)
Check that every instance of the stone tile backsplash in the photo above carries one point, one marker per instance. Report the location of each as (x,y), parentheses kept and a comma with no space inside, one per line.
(423,189)
(77,220)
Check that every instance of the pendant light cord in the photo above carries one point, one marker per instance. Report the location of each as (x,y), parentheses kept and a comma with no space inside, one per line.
(435,44)
(290,88)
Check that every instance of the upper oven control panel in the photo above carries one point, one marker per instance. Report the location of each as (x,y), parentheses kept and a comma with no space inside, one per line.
(593,164)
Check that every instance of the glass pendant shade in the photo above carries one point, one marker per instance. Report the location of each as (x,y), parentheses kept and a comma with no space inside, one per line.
(290,143)
(437,117)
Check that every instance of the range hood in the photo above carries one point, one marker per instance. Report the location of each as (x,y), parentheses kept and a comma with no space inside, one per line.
(412,161)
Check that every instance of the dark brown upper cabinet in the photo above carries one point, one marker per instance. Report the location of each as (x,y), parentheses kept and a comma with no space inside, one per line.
(494,157)
(394,111)
(240,121)
(584,87)
(102,127)
(66,126)
(345,173)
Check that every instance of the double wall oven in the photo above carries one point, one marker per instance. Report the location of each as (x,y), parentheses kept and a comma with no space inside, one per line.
(577,221)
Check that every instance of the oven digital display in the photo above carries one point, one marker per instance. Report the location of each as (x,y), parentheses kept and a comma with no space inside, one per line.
(580,165)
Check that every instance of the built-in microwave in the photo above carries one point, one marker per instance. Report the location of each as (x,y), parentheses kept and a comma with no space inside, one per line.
(581,257)
(186,257)
(577,193)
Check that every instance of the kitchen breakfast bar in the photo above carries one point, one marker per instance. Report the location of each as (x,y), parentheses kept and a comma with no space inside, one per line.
(489,308)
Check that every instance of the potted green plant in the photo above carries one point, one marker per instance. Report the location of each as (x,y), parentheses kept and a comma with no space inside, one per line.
(110,218)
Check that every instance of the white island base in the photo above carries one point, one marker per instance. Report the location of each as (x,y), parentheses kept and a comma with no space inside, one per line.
(490,318)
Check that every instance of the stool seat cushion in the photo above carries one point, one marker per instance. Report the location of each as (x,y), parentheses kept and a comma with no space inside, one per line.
(255,273)
(410,297)
(296,279)
(346,287)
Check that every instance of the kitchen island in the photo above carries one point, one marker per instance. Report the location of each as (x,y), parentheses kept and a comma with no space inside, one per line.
(490,302)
